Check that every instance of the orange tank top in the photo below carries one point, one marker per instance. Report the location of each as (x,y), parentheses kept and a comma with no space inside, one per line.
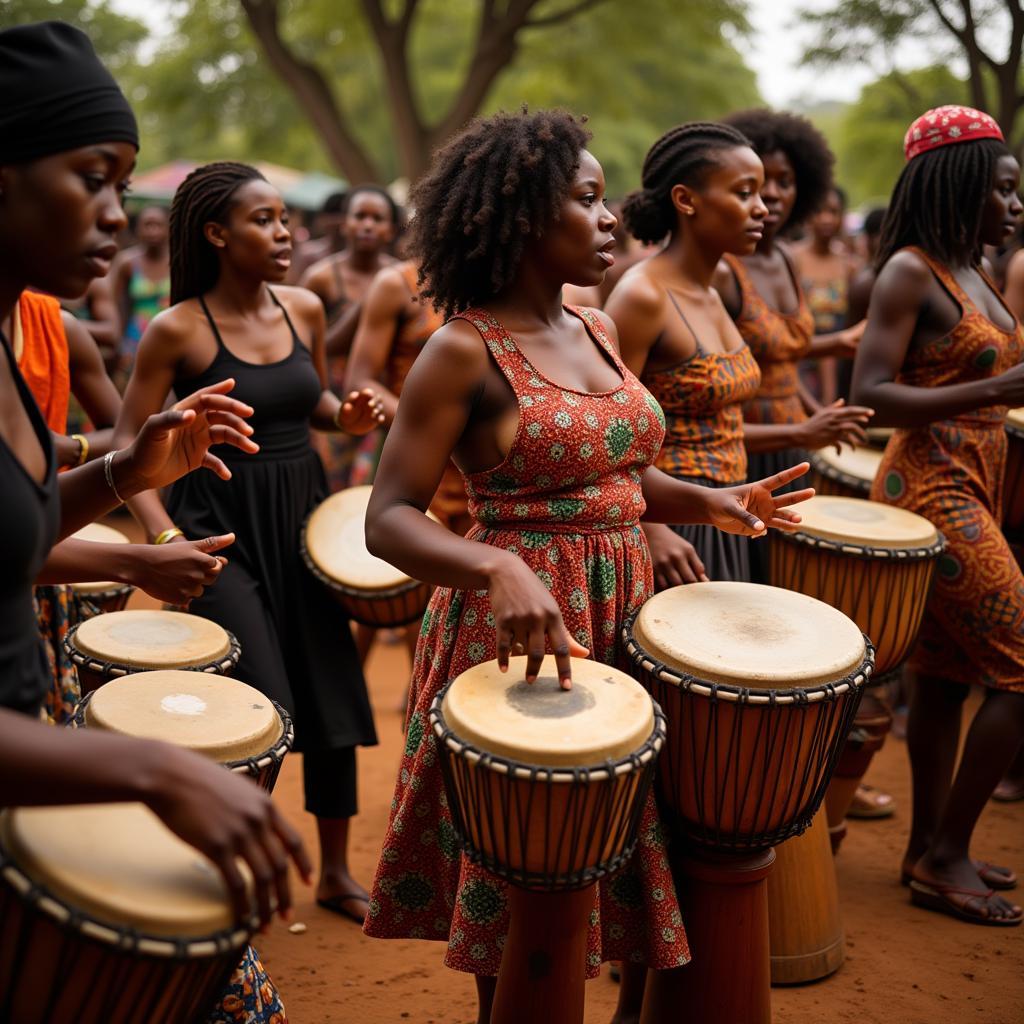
(778,342)
(41,345)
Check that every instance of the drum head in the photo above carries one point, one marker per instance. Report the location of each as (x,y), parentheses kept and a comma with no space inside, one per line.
(879,436)
(121,865)
(859,522)
(152,639)
(749,635)
(1015,422)
(98,534)
(605,716)
(336,542)
(860,463)
(220,718)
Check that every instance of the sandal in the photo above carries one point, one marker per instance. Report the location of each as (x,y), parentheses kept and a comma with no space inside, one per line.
(869,802)
(942,899)
(1009,791)
(994,876)
(336,905)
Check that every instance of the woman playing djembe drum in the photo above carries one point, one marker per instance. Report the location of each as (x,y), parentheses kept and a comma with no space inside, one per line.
(940,361)
(556,440)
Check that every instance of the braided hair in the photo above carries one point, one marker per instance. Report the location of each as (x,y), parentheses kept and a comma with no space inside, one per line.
(772,131)
(205,195)
(491,189)
(939,201)
(682,156)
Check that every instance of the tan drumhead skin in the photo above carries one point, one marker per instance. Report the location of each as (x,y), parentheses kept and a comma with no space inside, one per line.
(880,435)
(870,523)
(749,635)
(336,541)
(606,715)
(1015,418)
(221,718)
(100,534)
(120,864)
(153,639)
(855,461)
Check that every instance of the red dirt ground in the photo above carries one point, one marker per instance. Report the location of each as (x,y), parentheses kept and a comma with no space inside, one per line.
(903,965)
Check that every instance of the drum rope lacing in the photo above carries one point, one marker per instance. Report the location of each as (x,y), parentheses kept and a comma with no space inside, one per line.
(746,736)
(851,547)
(600,805)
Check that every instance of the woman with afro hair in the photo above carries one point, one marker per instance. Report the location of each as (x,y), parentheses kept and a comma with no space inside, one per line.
(941,362)
(762,294)
(556,440)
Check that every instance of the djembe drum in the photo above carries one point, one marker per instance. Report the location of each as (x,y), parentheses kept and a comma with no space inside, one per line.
(875,563)
(106,917)
(371,591)
(878,437)
(122,643)
(849,472)
(546,789)
(102,597)
(760,687)
(1013,484)
(223,719)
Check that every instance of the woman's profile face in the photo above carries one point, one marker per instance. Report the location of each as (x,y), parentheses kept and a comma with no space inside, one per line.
(577,247)
(60,215)
(1001,215)
(255,239)
(727,210)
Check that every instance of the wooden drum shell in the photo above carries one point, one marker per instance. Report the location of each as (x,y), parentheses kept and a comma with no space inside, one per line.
(729,786)
(543,828)
(1013,482)
(883,590)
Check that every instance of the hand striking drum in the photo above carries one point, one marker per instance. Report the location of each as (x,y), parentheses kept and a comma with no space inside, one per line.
(546,788)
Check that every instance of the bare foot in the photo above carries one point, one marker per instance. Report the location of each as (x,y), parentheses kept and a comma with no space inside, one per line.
(343,895)
(958,890)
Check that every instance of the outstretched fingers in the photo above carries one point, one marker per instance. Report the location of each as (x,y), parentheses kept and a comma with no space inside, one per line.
(784,476)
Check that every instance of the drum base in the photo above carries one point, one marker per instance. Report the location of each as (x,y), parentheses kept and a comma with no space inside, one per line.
(725,912)
(805,925)
(543,965)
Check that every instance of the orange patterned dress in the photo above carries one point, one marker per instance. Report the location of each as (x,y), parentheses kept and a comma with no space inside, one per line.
(951,472)
(567,500)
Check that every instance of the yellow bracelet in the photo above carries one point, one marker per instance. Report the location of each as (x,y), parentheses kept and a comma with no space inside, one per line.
(83,448)
(167,535)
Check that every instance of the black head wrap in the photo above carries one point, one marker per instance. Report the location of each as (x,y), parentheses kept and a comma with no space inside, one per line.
(55,95)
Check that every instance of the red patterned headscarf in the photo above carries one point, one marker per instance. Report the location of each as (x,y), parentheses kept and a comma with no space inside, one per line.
(946,126)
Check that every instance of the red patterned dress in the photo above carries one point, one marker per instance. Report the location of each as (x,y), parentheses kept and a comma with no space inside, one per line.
(567,500)
(951,472)
(702,398)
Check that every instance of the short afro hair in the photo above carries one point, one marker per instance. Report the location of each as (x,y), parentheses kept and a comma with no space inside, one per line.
(770,131)
(493,187)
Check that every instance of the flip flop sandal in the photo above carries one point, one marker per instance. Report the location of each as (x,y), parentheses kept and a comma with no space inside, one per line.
(936,897)
(869,802)
(336,905)
(1008,792)
(994,876)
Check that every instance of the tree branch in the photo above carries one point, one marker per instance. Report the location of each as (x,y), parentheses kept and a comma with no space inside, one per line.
(310,89)
(564,15)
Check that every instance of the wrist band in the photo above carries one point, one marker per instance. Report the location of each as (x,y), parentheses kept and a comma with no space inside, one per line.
(108,475)
(83,448)
(167,535)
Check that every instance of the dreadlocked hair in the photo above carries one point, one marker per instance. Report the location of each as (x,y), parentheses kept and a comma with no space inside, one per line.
(205,195)
(939,201)
(682,156)
(771,131)
(492,188)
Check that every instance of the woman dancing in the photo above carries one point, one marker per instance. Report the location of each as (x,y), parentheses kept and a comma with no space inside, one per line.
(940,361)
(556,440)
(229,242)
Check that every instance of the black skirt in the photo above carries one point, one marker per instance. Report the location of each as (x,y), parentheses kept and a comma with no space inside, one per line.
(726,556)
(760,465)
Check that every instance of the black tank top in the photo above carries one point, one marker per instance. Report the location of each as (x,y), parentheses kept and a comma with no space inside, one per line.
(29,520)
(283,395)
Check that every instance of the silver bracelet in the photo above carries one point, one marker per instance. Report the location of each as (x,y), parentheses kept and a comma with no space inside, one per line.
(108,475)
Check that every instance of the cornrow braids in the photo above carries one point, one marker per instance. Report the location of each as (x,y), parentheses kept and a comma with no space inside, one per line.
(491,189)
(681,156)
(805,147)
(939,200)
(205,195)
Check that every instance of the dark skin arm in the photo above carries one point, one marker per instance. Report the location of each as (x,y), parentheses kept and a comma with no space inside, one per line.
(1014,293)
(907,302)
(385,304)
(220,814)
(104,324)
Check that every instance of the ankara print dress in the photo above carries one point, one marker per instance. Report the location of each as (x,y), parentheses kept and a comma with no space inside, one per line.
(951,472)
(567,500)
